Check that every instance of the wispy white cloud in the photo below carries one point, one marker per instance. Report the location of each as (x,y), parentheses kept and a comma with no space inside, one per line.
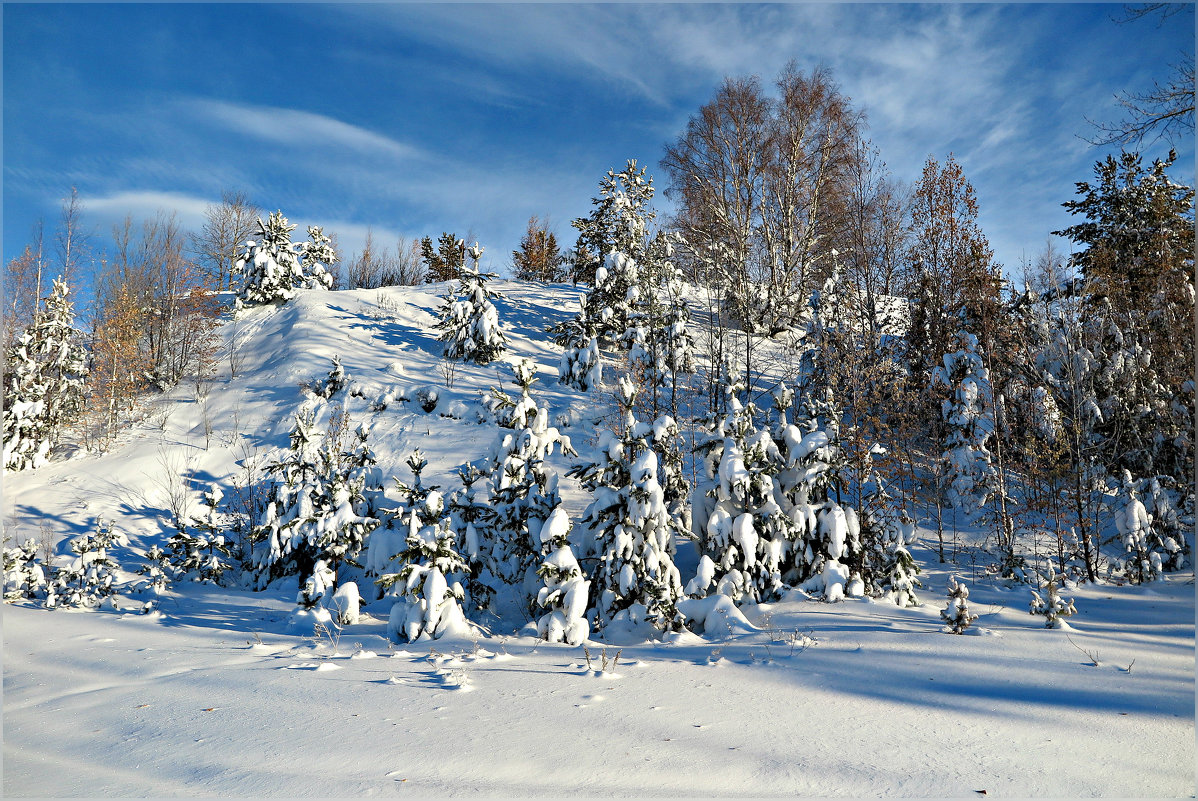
(145,204)
(298,128)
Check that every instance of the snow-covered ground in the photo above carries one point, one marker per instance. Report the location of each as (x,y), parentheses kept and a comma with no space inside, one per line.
(211,695)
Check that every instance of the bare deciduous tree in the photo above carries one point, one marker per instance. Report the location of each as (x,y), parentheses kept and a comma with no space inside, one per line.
(227,225)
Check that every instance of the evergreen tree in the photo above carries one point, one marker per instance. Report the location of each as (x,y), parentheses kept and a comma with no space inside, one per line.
(969,417)
(470,324)
(469,515)
(43,386)
(580,365)
(566,590)
(635,579)
(956,614)
(200,554)
(618,222)
(428,584)
(157,570)
(538,258)
(319,510)
(273,268)
(1052,605)
(91,576)
(24,576)
(446,262)
(522,492)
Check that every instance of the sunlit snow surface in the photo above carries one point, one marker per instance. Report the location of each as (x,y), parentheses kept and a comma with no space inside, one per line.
(211,696)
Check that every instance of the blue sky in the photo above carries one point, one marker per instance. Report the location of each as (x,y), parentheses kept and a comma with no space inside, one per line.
(415,119)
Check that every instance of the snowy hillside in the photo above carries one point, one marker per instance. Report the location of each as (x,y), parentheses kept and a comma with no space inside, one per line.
(217,691)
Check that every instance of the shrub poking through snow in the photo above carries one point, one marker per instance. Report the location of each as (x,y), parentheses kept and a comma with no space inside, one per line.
(469,323)
(636,580)
(274,268)
(1052,605)
(91,576)
(1146,551)
(957,614)
(566,590)
(24,577)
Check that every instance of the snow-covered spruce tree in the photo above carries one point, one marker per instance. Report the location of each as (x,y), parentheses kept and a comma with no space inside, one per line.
(580,365)
(274,268)
(157,570)
(428,585)
(736,516)
(635,580)
(821,538)
(469,322)
(26,437)
(956,614)
(319,509)
(91,576)
(968,413)
(522,493)
(470,516)
(619,222)
(333,383)
(566,591)
(887,566)
(44,373)
(317,257)
(199,552)
(24,576)
(1052,606)
(1166,523)
(1143,560)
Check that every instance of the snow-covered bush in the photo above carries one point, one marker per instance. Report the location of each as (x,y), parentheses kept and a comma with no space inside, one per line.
(580,366)
(24,577)
(566,591)
(469,322)
(157,570)
(956,614)
(635,579)
(346,604)
(1052,606)
(1142,562)
(274,268)
(887,566)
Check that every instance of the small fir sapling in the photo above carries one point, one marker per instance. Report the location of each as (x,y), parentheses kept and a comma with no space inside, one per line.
(735,514)
(428,585)
(157,570)
(334,382)
(956,614)
(522,492)
(24,576)
(566,590)
(310,612)
(1052,606)
(91,576)
(200,554)
(346,604)
(1142,563)
(580,365)
(636,579)
(470,323)
(470,516)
